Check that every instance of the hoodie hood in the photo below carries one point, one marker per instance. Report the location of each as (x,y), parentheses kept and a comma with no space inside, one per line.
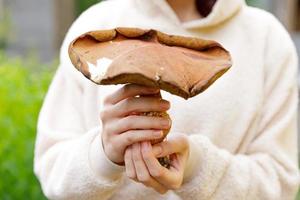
(223,10)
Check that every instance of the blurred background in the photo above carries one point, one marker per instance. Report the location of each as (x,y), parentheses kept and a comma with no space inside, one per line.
(31,32)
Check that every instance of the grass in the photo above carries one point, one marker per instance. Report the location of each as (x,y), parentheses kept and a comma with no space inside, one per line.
(23,84)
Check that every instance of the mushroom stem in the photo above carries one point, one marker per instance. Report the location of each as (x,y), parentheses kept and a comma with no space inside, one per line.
(164,161)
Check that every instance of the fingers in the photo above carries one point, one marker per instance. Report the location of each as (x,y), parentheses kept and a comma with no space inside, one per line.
(140,104)
(130,169)
(157,151)
(142,174)
(116,144)
(149,171)
(133,136)
(169,178)
(175,144)
(139,165)
(127,91)
(121,129)
(134,105)
(133,122)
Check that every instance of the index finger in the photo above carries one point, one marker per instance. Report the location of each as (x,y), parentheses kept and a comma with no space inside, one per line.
(169,178)
(129,90)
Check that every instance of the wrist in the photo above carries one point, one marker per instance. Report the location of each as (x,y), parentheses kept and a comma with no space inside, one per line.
(100,163)
(111,152)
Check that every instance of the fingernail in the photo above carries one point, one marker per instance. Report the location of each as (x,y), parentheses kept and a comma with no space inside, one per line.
(166,123)
(144,145)
(158,134)
(153,89)
(165,104)
(158,150)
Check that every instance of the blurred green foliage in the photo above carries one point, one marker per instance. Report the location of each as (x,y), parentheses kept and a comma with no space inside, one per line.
(252,2)
(263,4)
(23,85)
(82,5)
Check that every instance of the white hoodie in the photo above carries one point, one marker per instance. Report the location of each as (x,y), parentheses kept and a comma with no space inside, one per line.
(242,130)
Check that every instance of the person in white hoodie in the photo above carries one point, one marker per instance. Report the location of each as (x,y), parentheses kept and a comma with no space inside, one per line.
(237,140)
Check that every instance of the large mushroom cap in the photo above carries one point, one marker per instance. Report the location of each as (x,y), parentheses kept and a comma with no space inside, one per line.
(183,66)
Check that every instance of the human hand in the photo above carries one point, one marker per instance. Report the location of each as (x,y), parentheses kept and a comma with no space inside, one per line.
(120,128)
(142,165)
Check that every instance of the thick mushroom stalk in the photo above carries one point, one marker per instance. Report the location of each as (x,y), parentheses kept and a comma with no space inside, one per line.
(157,114)
(183,66)
(164,161)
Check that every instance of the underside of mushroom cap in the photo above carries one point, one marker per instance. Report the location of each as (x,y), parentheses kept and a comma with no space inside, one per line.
(183,66)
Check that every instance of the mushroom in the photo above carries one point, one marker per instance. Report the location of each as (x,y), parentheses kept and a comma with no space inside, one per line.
(183,66)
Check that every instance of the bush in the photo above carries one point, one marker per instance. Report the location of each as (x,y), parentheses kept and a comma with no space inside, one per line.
(23,85)
(82,5)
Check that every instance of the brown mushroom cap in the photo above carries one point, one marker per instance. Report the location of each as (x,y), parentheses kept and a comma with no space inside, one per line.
(183,66)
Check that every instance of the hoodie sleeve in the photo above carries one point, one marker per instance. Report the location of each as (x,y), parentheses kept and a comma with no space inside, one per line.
(69,159)
(268,169)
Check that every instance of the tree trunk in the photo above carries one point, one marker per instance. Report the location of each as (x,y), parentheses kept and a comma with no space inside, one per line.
(286,11)
(1,9)
(64,13)
(298,16)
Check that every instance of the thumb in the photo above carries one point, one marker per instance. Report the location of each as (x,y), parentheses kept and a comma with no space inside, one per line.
(176,144)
